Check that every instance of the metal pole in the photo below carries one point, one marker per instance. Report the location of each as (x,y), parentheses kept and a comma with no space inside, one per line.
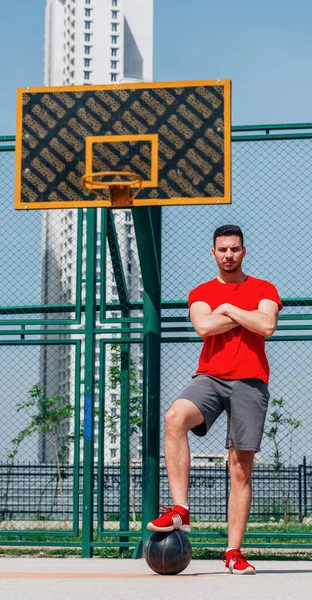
(88,425)
(124,435)
(147,229)
(305,495)
(300,493)
(151,420)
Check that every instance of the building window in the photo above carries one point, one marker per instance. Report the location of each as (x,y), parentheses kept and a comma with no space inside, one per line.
(88,1)
(114,14)
(114,39)
(87,12)
(87,24)
(114,26)
(87,37)
(113,76)
(87,62)
(87,49)
(113,439)
(86,75)
(113,412)
(113,64)
(114,2)
(113,452)
(114,51)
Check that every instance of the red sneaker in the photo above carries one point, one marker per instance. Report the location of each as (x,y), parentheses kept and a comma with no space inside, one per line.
(236,563)
(172,518)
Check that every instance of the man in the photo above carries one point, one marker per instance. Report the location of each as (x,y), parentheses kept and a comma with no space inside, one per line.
(233,313)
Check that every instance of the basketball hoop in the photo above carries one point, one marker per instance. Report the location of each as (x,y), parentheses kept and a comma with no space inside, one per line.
(120,191)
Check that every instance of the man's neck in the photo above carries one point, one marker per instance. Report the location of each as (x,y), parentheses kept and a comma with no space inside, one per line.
(237,277)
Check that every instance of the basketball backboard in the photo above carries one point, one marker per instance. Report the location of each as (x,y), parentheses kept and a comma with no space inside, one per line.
(175,136)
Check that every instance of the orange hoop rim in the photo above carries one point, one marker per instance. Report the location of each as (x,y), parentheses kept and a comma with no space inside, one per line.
(89,183)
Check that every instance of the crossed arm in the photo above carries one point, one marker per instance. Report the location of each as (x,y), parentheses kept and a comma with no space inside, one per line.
(227,316)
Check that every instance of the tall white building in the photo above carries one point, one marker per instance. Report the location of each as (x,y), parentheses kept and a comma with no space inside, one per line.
(98,41)
(89,42)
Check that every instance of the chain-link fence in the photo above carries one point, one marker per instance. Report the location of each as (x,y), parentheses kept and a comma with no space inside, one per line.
(73,329)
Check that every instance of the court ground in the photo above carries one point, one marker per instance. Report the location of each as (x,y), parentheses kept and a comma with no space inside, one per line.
(75,578)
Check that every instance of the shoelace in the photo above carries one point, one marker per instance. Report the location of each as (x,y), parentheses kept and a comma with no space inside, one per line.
(166,509)
(238,557)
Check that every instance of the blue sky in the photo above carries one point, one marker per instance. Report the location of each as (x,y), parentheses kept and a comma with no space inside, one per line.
(265,48)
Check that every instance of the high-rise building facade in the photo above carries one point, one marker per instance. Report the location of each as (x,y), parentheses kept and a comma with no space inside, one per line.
(89,42)
(98,41)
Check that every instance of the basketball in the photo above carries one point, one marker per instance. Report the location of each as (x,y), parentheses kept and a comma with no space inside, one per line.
(168,553)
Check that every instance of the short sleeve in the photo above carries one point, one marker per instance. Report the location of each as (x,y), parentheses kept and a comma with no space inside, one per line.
(198,294)
(268,291)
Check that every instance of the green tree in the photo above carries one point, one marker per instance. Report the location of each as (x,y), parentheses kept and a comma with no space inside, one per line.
(281,428)
(48,415)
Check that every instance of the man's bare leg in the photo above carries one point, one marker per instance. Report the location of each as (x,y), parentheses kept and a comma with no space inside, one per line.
(182,416)
(240,463)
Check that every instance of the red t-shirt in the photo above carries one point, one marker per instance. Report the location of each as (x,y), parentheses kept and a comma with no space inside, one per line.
(238,353)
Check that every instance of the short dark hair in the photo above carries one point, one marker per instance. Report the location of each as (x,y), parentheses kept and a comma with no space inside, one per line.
(228,230)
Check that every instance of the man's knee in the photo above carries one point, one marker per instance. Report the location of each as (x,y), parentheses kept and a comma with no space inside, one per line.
(182,416)
(241,464)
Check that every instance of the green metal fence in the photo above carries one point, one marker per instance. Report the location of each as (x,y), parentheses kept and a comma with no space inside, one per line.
(96,343)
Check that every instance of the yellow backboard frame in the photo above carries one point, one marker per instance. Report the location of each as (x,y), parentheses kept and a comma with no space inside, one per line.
(23,94)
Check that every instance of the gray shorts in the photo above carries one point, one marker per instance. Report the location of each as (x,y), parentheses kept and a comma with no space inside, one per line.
(245,401)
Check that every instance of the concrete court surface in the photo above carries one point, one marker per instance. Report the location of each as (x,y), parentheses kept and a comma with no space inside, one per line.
(126,579)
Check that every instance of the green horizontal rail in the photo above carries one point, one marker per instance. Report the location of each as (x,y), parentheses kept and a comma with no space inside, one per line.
(271,137)
(37,532)
(254,534)
(287,302)
(268,128)
(275,338)
(42,332)
(42,544)
(265,545)
(37,308)
(278,328)
(165,304)
(272,127)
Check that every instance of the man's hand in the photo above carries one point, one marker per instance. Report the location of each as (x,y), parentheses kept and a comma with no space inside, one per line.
(222,309)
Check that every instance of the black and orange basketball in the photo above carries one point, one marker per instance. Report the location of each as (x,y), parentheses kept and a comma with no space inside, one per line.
(168,553)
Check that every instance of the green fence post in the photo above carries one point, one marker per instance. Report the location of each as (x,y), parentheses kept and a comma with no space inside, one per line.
(300,492)
(147,229)
(305,489)
(124,437)
(88,425)
(124,299)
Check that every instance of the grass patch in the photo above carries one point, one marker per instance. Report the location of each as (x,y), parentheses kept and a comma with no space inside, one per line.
(205,553)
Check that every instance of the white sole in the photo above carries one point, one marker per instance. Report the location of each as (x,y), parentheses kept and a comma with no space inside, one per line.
(248,571)
(184,528)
